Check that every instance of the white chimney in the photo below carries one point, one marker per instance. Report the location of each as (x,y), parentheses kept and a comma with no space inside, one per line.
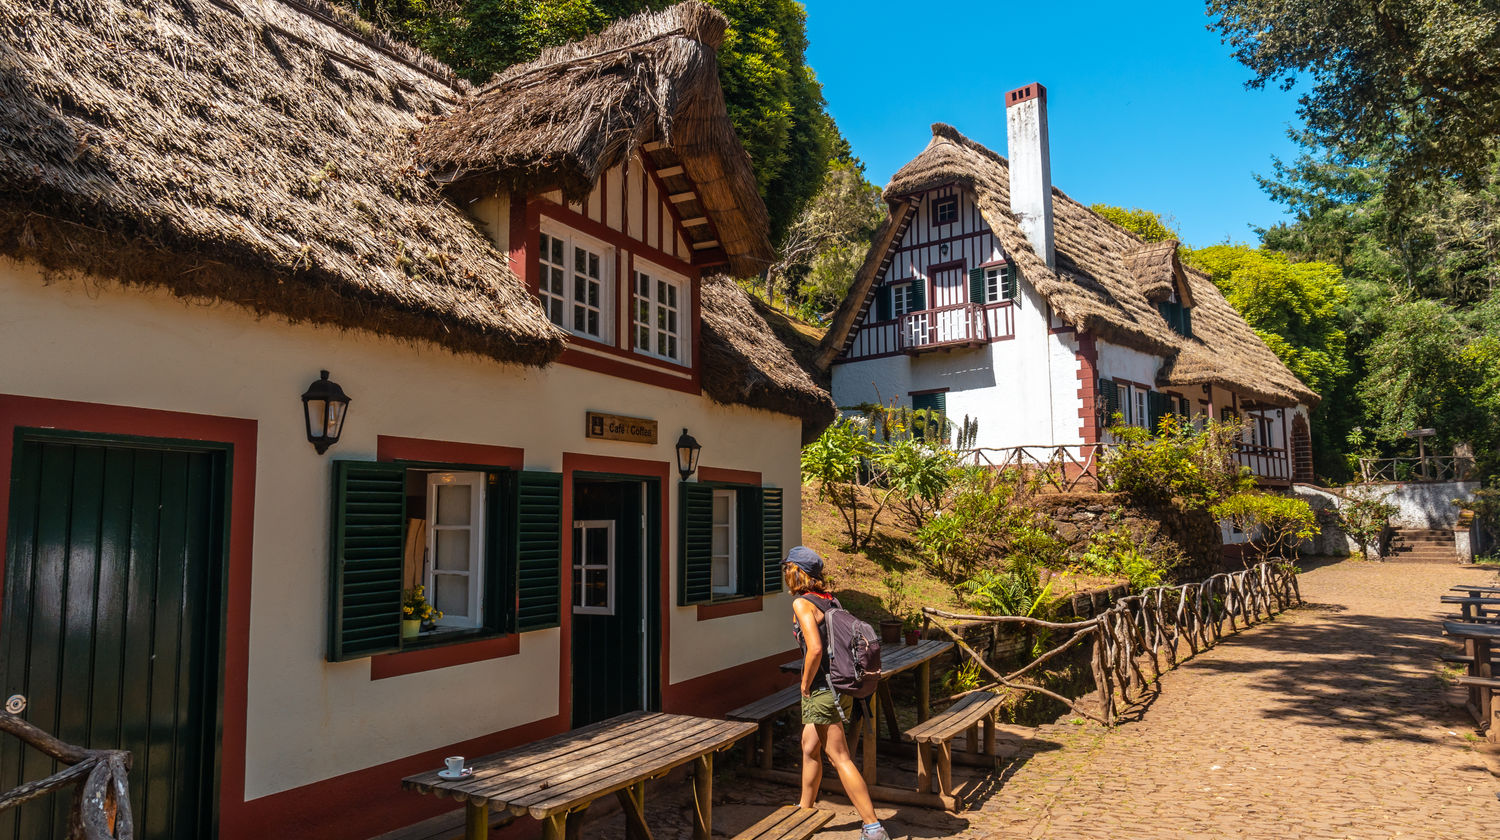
(1030,166)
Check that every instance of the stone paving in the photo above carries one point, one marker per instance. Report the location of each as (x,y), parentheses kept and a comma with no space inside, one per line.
(1331,721)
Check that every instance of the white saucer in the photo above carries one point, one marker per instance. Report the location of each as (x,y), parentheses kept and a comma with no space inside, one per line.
(449,774)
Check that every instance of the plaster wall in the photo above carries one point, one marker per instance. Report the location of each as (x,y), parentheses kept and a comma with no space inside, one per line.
(1420,505)
(309,719)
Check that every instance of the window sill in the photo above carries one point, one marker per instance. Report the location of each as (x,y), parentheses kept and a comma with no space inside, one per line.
(445,650)
(732,605)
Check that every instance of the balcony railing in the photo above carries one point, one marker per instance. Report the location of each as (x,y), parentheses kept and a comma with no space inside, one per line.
(962,324)
(1414,468)
(1266,462)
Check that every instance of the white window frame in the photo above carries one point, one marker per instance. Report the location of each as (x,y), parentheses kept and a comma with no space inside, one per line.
(1142,407)
(569,299)
(901,299)
(939,203)
(655,308)
(1126,401)
(475,574)
(581,528)
(731,527)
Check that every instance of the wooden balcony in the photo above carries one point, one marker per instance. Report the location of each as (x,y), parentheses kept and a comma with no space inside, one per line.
(1268,464)
(959,325)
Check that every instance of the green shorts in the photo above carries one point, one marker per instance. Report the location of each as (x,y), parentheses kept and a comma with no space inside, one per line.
(818,708)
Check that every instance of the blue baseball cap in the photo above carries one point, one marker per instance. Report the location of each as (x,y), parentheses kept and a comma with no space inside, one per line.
(807,560)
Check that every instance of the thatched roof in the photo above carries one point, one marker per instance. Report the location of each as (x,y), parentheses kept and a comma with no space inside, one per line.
(744,363)
(253,151)
(649,83)
(1106,280)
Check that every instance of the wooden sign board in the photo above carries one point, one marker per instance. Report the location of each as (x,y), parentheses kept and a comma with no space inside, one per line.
(614,427)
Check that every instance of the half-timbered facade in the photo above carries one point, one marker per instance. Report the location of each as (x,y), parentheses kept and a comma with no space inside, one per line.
(992,296)
(205,203)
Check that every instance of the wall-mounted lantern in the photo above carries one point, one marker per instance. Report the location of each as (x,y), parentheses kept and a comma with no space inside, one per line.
(324,406)
(687,454)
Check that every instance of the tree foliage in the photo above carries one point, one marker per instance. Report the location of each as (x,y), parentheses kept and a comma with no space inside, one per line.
(825,245)
(1364,520)
(1419,76)
(1276,524)
(1195,467)
(773,97)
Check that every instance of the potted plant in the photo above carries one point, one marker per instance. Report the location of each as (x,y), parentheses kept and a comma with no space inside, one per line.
(415,611)
(898,604)
(911,627)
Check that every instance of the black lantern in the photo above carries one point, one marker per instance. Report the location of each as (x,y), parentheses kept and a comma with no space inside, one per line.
(324,405)
(687,454)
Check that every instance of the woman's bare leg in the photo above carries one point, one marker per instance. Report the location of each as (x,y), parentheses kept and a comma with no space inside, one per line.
(812,763)
(849,776)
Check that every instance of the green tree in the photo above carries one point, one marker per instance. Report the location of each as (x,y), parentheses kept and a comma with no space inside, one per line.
(1420,75)
(825,245)
(1143,223)
(1419,377)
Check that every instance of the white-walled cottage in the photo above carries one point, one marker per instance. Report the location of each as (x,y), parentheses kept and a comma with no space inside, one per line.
(204,204)
(992,295)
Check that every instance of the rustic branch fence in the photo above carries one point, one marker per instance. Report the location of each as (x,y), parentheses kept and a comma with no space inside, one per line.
(1137,630)
(101,810)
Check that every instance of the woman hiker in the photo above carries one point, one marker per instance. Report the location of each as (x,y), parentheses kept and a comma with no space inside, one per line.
(822,728)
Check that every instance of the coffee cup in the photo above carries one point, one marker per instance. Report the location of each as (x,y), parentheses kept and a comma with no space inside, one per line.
(455,764)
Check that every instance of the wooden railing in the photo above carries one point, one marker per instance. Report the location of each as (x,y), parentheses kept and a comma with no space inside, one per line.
(1135,635)
(946,326)
(1065,468)
(1265,461)
(101,809)
(1412,468)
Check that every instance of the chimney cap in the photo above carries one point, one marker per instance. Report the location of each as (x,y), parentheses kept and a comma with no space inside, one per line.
(1035,90)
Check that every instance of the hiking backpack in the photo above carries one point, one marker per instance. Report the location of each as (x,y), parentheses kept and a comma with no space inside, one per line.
(853,651)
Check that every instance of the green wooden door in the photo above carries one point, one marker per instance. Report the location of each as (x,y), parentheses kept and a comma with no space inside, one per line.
(111,623)
(615,641)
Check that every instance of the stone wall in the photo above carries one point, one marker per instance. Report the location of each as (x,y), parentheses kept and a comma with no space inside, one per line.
(1194,534)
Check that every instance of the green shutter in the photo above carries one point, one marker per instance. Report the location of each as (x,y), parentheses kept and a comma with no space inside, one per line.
(696,539)
(538,535)
(748,521)
(369,528)
(936,401)
(1158,406)
(1008,284)
(918,294)
(1109,398)
(884,303)
(770,542)
(1187,321)
(976,286)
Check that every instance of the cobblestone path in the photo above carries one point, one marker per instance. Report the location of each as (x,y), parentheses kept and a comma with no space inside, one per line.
(1329,721)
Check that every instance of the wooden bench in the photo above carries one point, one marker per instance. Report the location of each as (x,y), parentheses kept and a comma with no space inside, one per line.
(788,823)
(937,733)
(1492,686)
(763,712)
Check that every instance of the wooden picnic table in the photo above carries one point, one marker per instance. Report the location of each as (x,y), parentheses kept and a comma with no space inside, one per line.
(1478,639)
(895,659)
(552,778)
(1474,607)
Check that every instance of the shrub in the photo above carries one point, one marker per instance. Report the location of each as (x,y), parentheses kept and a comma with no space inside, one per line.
(1275,523)
(1117,553)
(919,473)
(1016,591)
(987,514)
(837,462)
(1178,461)
(1365,520)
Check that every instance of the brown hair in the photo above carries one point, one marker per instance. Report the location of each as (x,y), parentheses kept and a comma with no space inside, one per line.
(798,581)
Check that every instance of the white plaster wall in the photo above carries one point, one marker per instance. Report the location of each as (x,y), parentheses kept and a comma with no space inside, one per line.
(873,381)
(1116,362)
(309,719)
(1420,505)
(493,214)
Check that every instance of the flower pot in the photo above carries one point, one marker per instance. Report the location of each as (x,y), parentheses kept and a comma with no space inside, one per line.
(410,627)
(890,631)
(913,636)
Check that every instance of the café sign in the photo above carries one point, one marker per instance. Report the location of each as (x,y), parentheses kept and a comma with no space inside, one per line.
(601,426)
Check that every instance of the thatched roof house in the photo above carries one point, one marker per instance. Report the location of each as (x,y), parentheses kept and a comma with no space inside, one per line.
(280,155)
(1106,280)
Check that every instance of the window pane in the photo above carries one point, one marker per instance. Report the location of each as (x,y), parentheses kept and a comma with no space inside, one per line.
(720,572)
(672,296)
(557,251)
(593,294)
(556,313)
(593,323)
(452,547)
(721,541)
(596,588)
(596,550)
(450,593)
(672,346)
(594,265)
(579,321)
(453,504)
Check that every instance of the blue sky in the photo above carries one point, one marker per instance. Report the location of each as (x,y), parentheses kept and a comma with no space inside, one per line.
(1145,110)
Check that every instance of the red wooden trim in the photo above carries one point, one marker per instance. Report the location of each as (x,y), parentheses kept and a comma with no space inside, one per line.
(628,370)
(994,263)
(576,462)
(631,355)
(950,265)
(1088,388)
(392,448)
(939,201)
(241,434)
(947,240)
(725,609)
(712,695)
(1061,330)
(564,215)
(443,656)
(728,476)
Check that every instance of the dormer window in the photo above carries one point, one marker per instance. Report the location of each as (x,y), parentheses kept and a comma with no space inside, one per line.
(945,210)
(575,284)
(1177,316)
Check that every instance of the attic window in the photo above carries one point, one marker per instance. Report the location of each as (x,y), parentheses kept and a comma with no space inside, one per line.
(945,210)
(1177,316)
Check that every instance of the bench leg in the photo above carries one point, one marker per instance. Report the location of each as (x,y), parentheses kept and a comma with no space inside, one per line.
(476,820)
(945,768)
(971,739)
(989,734)
(924,767)
(633,804)
(554,826)
(888,706)
(868,755)
(703,797)
(924,692)
(767,736)
(575,824)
